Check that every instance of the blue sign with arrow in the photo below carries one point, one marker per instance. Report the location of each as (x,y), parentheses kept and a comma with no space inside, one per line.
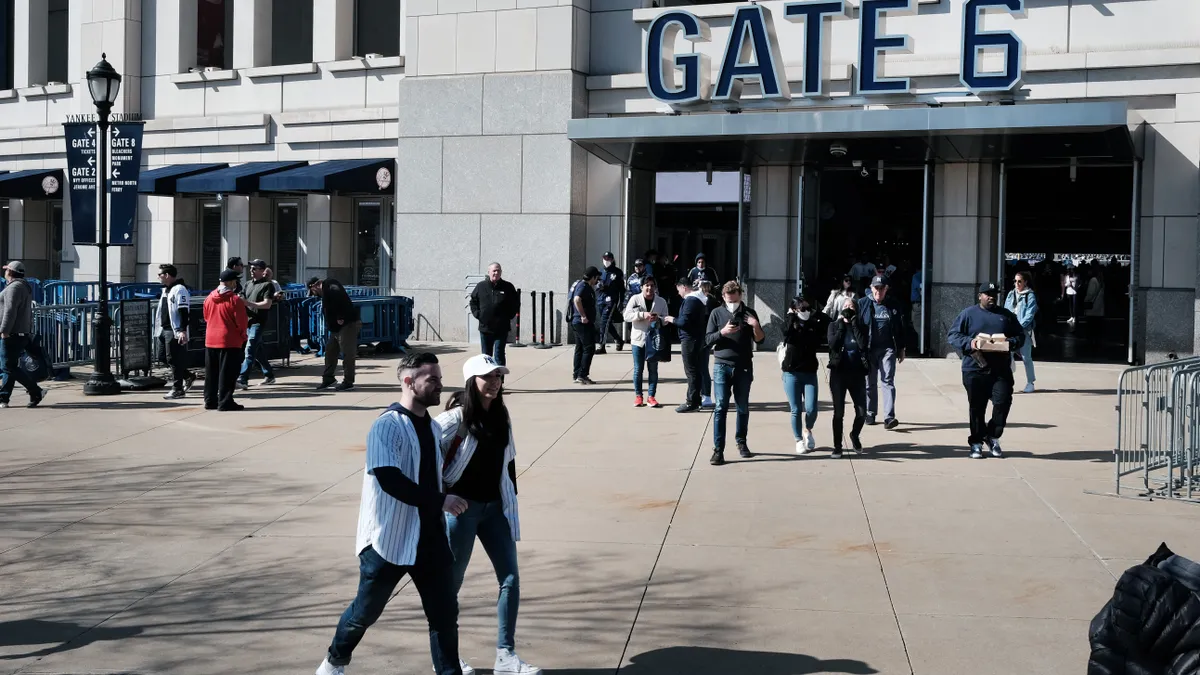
(124,161)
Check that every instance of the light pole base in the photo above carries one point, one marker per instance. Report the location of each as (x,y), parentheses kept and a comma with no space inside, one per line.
(101,384)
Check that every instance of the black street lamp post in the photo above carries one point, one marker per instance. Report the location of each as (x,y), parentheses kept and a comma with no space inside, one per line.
(103,83)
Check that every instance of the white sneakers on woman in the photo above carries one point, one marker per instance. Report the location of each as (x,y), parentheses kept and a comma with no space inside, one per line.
(508,663)
(806,444)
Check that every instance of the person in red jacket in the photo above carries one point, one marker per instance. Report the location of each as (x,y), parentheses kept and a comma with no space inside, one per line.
(224,340)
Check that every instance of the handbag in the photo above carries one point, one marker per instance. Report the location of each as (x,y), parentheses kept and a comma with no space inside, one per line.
(33,360)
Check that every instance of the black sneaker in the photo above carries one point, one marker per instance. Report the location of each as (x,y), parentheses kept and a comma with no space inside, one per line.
(243,385)
(174,394)
(744,451)
(232,408)
(837,453)
(344,386)
(267,381)
(35,402)
(871,421)
(891,424)
(856,443)
(997,451)
(718,457)
(601,350)
(578,380)
(976,451)
(189,383)
(325,384)
(685,408)
(586,380)
(620,346)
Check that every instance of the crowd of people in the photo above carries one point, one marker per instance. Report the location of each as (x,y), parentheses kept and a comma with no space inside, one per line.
(236,315)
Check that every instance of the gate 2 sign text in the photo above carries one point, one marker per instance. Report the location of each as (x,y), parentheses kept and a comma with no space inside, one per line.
(752,52)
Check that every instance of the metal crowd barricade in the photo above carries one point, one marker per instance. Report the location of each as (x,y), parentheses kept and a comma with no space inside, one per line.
(70,292)
(68,332)
(1157,433)
(387,323)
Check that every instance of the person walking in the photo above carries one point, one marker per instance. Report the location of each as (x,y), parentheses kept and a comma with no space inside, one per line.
(581,312)
(1071,291)
(986,374)
(883,324)
(645,311)
(691,323)
(481,468)
(260,298)
(172,328)
(733,331)
(239,268)
(16,331)
(1023,302)
(611,298)
(711,302)
(224,340)
(401,530)
(802,335)
(1093,307)
(341,325)
(848,366)
(702,272)
(494,303)
(838,296)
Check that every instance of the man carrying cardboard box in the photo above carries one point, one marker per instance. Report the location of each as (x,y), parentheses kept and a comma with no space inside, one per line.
(985,334)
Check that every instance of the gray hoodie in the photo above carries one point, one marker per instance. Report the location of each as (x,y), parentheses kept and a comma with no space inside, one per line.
(16,308)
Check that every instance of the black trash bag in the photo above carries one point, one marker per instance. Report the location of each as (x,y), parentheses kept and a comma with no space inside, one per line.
(34,362)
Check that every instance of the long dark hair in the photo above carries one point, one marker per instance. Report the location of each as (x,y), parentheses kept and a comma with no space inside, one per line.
(482,423)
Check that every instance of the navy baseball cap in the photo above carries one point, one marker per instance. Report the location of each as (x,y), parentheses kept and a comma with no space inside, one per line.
(989,288)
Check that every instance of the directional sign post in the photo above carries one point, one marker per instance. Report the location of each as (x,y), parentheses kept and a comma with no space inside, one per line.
(125,158)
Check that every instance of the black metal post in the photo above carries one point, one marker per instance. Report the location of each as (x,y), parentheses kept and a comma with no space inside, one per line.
(518,342)
(542,341)
(102,382)
(554,326)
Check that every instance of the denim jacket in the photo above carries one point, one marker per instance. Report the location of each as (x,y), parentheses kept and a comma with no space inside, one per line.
(1024,306)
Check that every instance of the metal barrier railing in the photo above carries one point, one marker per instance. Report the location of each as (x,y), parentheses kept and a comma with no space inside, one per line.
(68,332)
(1158,433)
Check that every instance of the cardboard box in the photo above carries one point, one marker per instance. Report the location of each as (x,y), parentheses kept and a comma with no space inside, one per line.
(996,342)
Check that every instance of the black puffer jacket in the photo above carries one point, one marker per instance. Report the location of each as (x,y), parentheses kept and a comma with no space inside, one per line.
(1152,624)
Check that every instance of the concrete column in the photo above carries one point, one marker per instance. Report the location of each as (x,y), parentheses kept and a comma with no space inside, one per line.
(29,43)
(333,30)
(252,33)
(963,253)
(772,245)
(237,227)
(176,18)
(341,239)
(29,235)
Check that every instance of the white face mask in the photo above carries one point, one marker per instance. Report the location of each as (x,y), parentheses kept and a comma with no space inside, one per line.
(804,316)
(608,264)
(732,306)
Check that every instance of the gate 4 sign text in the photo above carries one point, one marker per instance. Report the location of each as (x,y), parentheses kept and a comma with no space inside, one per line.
(125,157)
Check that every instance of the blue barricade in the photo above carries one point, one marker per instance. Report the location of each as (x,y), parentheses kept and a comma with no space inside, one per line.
(132,291)
(386,322)
(70,292)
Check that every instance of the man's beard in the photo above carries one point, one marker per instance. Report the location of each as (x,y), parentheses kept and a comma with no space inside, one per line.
(431,399)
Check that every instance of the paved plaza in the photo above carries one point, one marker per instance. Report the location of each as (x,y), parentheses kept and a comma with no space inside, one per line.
(144,536)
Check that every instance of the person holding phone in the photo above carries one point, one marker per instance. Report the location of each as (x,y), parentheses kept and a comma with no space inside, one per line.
(848,366)
(733,331)
(643,311)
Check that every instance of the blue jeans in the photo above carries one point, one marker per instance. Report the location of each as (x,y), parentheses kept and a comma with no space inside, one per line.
(1027,357)
(254,354)
(493,345)
(486,520)
(377,579)
(11,349)
(733,380)
(801,389)
(639,358)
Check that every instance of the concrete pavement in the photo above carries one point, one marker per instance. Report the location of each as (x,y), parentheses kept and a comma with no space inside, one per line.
(144,536)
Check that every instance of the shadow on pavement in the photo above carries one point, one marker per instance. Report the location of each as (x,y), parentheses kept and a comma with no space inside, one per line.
(63,635)
(714,661)
(906,427)
(897,451)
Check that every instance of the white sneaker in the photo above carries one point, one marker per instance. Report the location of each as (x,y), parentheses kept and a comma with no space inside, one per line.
(330,669)
(508,663)
(1028,388)
(464,667)
(801,448)
(810,440)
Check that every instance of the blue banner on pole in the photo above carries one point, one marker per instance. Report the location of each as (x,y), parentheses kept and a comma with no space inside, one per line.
(125,158)
(81,176)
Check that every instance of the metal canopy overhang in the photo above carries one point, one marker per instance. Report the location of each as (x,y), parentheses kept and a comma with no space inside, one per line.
(1017,133)
(241,179)
(163,180)
(32,184)
(358,177)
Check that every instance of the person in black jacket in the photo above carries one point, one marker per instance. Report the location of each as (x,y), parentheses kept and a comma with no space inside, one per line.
(882,321)
(342,323)
(692,322)
(848,367)
(494,302)
(802,335)
(986,375)
(611,299)
(733,331)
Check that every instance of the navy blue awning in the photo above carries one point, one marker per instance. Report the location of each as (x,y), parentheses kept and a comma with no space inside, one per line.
(32,184)
(162,181)
(235,180)
(339,176)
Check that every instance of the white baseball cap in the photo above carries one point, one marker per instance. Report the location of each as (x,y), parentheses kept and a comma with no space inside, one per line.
(480,365)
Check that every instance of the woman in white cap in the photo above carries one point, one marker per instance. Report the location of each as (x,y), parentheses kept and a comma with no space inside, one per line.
(480,467)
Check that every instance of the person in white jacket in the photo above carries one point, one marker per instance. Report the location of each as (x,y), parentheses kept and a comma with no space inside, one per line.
(480,467)
(643,311)
(838,296)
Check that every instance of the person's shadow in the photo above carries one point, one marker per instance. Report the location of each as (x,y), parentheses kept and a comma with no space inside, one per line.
(714,661)
(60,636)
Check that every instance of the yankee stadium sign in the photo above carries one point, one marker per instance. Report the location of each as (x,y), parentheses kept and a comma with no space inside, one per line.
(752,52)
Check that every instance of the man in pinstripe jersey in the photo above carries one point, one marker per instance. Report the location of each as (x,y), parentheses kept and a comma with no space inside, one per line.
(401,529)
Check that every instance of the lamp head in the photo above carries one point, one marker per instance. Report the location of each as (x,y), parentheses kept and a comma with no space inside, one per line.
(103,83)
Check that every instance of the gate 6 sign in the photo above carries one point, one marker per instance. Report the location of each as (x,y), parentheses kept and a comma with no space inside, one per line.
(752,51)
